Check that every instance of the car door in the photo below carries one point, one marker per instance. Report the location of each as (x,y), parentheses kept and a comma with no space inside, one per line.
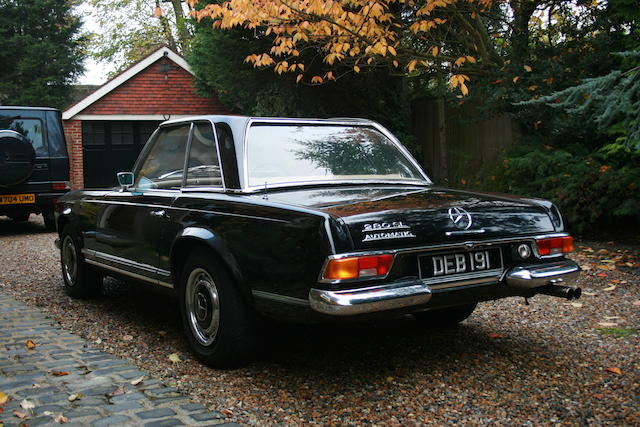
(131,223)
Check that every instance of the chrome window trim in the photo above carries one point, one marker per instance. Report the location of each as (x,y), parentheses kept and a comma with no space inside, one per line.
(330,122)
(223,187)
(466,245)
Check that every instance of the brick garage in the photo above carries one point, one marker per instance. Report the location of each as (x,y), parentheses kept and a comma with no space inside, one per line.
(106,130)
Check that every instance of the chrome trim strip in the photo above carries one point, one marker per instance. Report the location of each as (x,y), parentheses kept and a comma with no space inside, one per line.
(494,275)
(533,276)
(280,298)
(368,300)
(462,232)
(120,260)
(465,283)
(327,228)
(128,273)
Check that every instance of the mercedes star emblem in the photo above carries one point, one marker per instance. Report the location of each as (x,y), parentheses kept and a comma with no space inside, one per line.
(460,218)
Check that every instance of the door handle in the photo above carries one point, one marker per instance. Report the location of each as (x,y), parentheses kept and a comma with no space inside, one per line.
(159,213)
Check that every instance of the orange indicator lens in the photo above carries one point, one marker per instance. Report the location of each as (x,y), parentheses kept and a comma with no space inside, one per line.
(357,267)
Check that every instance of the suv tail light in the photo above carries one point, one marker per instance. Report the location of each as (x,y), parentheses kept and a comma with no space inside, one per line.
(555,245)
(60,185)
(357,267)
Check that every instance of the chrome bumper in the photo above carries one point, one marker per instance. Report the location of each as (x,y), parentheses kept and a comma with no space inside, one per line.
(368,300)
(533,276)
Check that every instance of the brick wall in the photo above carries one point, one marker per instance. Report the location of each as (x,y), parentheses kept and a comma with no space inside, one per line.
(73,135)
(157,91)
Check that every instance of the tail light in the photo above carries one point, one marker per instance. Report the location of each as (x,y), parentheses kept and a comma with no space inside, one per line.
(555,245)
(357,267)
(60,185)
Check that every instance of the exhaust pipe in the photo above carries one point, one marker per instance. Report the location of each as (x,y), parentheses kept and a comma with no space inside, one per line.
(560,291)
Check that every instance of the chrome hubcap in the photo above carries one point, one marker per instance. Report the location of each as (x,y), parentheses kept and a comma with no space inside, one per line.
(203,307)
(69,261)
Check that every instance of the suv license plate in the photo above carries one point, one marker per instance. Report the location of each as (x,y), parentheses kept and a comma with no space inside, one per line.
(460,263)
(17,199)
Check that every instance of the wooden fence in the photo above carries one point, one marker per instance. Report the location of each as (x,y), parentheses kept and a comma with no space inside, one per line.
(471,142)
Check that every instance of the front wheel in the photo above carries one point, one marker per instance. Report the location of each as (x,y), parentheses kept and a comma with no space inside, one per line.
(444,317)
(80,279)
(218,323)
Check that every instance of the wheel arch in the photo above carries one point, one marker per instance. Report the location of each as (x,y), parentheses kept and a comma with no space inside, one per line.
(193,237)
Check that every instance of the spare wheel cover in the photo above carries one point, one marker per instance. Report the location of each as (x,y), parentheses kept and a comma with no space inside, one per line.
(17,158)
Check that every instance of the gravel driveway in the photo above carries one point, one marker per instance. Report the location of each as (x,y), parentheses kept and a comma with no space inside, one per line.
(550,362)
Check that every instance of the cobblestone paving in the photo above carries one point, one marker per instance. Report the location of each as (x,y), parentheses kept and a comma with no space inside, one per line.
(62,366)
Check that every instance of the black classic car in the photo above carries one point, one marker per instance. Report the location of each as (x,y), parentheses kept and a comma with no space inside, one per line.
(304,220)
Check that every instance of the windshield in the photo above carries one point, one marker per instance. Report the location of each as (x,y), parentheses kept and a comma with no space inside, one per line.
(279,154)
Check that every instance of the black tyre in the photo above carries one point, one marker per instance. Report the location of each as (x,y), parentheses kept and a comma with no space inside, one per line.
(49,220)
(20,217)
(444,317)
(218,322)
(17,158)
(80,279)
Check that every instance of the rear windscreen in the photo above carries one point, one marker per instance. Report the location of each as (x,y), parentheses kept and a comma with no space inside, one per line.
(31,129)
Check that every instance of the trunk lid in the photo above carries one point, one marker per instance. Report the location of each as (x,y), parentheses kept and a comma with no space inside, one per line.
(383,217)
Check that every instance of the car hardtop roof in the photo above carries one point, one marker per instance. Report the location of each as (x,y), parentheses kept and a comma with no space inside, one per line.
(242,120)
(18,107)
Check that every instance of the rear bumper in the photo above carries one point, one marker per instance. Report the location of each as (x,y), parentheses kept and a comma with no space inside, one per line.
(400,295)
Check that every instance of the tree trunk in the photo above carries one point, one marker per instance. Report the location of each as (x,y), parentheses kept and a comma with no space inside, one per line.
(166,29)
(522,12)
(181,25)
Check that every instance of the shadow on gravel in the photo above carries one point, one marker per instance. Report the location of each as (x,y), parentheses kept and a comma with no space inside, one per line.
(9,227)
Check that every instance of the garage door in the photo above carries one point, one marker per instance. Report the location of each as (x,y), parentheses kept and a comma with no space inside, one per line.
(110,147)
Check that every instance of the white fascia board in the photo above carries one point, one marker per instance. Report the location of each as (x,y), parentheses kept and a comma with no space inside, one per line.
(130,117)
(126,75)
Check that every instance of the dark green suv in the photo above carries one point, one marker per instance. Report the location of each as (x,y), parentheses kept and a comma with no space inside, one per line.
(34,164)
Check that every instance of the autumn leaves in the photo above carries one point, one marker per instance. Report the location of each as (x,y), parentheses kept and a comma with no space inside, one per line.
(352,34)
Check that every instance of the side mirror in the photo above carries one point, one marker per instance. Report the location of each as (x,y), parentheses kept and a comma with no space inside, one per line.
(125,179)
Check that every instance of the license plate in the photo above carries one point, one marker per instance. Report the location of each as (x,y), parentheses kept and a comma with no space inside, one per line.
(451,266)
(17,199)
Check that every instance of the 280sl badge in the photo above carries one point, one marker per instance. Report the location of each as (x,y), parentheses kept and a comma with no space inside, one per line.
(383,231)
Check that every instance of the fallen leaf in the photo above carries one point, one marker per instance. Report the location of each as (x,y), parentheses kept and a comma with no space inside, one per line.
(173,357)
(636,303)
(598,395)
(74,397)
(607,324)
(612,317)
(47,413)
(60,419)
(98,341)
(585,267)
(494,335)
(137,380)
(389,379)
(227,412)
(118,391)
(27,404)
(527,68)
(19,414)
(35,385)
(59,373)
(576,304)
(602,275)
(591,294)
(3,398)
(610,288)
(30,344)
(614,370)
(127,337)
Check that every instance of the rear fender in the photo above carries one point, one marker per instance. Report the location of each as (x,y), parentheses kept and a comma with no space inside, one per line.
(191,237)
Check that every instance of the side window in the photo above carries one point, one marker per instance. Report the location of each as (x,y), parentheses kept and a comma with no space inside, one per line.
(164,164)
(203,168)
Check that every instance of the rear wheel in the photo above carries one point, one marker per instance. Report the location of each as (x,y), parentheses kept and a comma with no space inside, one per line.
(444,317)
(49,220)
(20,217)
(80,279)
(217,321)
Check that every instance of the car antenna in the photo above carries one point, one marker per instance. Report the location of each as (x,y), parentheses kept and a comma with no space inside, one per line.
(266,195)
